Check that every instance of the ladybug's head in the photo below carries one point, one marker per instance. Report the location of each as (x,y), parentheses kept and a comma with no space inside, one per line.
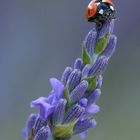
(99,11)
(105,11)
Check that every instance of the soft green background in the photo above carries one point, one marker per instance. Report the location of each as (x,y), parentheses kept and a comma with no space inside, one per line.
(39,38)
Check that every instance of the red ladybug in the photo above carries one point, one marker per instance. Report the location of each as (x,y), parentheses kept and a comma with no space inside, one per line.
(99,11)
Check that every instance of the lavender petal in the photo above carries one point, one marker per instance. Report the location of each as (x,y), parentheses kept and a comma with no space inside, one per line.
(74,79)
(92,109)
(83,102)
(74,113)
(86,70)
(79,91)
(58,87)
(99,67)
(83,134)
(45,108)
(106,29)
(59,111)
(66,75)
(39,124)
(78,64)
(30,123)
(43,134)
(90,41)
(93,97)
(83,125)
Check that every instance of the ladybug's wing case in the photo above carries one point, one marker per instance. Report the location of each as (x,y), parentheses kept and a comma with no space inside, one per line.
(91,10)
(108,1)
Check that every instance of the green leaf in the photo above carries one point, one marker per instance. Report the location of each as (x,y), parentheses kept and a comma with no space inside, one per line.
(101,44)
(91,82)
(85,56)
(64,130)
(67,97)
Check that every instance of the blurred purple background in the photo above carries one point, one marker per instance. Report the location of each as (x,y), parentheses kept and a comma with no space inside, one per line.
(39,38)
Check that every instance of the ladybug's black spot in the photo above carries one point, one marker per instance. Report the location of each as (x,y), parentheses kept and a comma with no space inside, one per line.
(88,12)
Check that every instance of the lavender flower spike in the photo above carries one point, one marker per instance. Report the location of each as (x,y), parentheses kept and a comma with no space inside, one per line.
(68,109)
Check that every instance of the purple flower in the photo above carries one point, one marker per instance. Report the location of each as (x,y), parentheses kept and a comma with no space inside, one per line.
(82,126)
(39,123)
(94,96)
(66,75)
(90,41)
(83,102)
(68,109)
(74,79)
(57,87)
(92,109)
(106,29)
(74,113)
(79,91)
(78,64)
(58,114)
(86,70)
(83,134)
(45,108)
(99,67)
(47,104)
(30,124)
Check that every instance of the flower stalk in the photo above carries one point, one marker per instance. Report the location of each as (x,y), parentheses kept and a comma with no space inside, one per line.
(69,110)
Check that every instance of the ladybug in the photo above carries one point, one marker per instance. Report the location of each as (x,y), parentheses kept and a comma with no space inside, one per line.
(99,11)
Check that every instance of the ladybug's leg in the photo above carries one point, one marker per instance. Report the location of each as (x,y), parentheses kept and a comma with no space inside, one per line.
(99,23)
